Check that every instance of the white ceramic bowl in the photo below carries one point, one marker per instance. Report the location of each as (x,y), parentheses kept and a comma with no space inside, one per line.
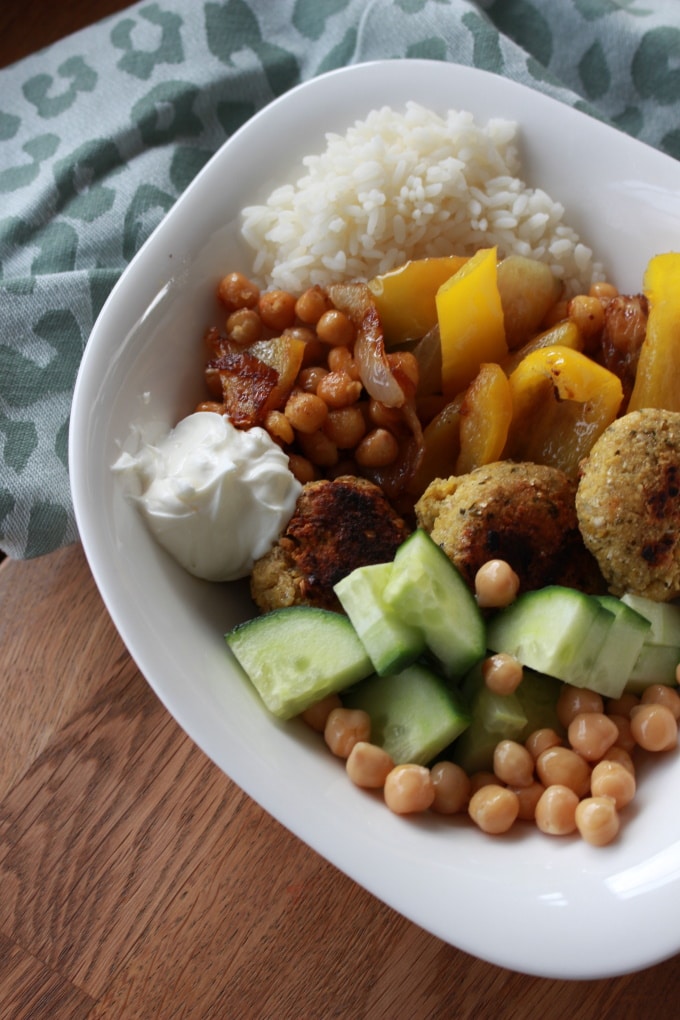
(550,907)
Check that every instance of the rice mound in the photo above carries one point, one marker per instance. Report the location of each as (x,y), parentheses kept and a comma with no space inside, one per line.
(400,186)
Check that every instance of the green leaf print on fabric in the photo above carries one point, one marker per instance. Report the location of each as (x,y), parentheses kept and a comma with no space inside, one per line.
(21,439)
(38,149)
(47,522)
(594,71)
(9,125)
(7,504)
(340,55)
(487,51)
(186,162)
(37,89)
(524,23)
(428,49)
(76,177)
(166,113)
(656,65)
(61,443)
(230,27)
(310,16)
(24,380)
(142,62)
(58,244)
(148,207)
(594,9)
(630,120)
(232,115)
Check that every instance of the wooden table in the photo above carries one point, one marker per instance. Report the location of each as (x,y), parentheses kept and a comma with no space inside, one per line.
(137,881)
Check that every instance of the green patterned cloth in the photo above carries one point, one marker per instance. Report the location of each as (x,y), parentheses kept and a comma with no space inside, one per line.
(101,132)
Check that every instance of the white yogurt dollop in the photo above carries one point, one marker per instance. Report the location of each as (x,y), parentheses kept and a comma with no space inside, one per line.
(216,497)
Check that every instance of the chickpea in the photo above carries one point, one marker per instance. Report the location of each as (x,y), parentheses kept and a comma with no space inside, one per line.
(340,360)
(378,448)
(451,788)
(385,417)
(302,468)
(480,779)
(621,705)
(211,406)
(513,764)
(618,754)
(277,309)
(502,673)
(309,378)
(244,326)
(344,728)
(603,290)
(496,584)
(236,291)
(338,390)
(556,810)
(625,738)
(368,765)
(278,427)
(345,427)
(317,714)
(335,329)
(597,820)
(573,700)
(494,808)
(409,789)
(528,797)
(305,411)
(612,779)
(654,727)
(541,740)
(319,449)
(592,734)
(311,305)
(566,767)
(662,694)
(588,314)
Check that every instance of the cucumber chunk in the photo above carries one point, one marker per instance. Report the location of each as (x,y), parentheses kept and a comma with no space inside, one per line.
(555,630)
(620,649)
(414,714)
(656,664)
(297,655)
(663,616)
(391,642)
(426,589)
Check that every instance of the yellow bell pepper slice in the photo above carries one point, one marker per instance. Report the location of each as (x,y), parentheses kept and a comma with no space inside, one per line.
(405,297)
(657,380)
(565,333)
(471,322)
(485,417)
(562,402)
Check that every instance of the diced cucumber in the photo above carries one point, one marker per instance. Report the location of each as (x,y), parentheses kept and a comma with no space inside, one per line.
(391,642)
(620,649)
(425,589)
(656,664)
(297,655)
(497,717)
(555,630)
(414,714)
(663,616)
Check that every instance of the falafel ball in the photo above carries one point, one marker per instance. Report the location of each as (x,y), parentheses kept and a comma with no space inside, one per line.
(519,512)
(628,504)
(337,525)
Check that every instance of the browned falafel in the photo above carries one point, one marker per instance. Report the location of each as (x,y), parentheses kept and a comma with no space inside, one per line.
(628,504)
(337,525)
(519,512)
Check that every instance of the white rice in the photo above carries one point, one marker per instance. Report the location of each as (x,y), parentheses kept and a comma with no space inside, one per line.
(400,186)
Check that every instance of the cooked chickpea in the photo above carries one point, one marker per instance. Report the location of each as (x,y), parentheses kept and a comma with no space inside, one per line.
(451,788)
(625,738)
(317,714)
(236,291)
(338,390)
(612,779)
(309,378)
(344,728)
(513,764)
(496,584)
(278,427)
(302,468)
(480,779)
(277,309)
(556,810)
(528,797)
(494,808)
(502,673)
(662,694)
(566,767)
(244,326)
(542,739)
(597,820)
(385,417)
(368,765)
(654,727)
(588,314)
(620,755)
(603,290)
(210,405)
(592,734)
(409,789)
(621,705)
(378,448)
(319,449)
(335,328)
(311,305)
(345,426)
(573,700)
(340,359)
(305,411)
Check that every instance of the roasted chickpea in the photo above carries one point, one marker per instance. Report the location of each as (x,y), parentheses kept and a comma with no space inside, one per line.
(277,309)
(236,291)
(335,328)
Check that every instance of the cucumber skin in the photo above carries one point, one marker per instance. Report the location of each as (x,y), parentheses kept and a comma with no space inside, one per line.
(298,655)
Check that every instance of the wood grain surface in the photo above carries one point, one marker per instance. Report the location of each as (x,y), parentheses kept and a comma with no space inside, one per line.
(137,881)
